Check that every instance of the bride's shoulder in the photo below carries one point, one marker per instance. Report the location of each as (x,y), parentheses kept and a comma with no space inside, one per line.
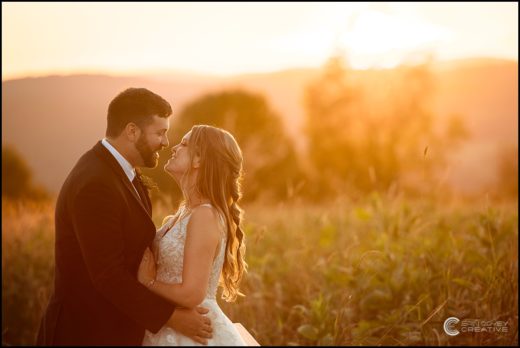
(207,217)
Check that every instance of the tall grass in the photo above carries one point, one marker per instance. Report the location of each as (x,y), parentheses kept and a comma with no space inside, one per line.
(27,268)
(382,271)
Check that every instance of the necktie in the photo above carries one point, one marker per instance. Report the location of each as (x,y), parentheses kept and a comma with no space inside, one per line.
(141,192)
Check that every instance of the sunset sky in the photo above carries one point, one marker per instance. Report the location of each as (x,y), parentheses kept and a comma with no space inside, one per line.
(231,38)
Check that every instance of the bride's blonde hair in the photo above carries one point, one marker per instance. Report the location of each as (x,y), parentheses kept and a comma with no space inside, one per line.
(219,178)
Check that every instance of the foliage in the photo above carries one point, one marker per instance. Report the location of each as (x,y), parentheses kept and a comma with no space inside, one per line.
(372,134)
(507,181)
(270,163)
(17,180)
(27,267)
(383,270)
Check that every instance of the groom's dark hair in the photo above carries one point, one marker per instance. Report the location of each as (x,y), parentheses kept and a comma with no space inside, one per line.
(136,105)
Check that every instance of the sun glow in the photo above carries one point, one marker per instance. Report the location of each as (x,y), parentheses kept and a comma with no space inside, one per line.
(376,39)
(233,38)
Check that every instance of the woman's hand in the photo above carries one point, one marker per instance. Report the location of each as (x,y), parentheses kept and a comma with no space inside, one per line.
(147,272)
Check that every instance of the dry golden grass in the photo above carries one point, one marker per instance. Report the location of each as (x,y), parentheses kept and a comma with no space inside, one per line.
(383,271)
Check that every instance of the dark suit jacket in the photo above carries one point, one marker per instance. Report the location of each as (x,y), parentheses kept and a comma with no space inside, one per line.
(102,230)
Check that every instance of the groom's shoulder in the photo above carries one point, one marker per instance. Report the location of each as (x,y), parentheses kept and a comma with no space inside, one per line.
(90,167)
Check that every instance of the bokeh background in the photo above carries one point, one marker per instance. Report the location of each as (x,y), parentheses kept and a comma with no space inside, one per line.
(380,143)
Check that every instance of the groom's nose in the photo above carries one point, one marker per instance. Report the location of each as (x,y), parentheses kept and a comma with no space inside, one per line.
(165,142)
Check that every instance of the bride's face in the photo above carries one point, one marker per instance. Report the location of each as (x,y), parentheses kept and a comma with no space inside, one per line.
(179,163)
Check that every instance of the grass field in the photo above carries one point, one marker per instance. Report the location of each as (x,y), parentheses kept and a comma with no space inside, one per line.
(382,271)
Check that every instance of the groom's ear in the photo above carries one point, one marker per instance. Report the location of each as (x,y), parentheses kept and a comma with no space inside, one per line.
(132,132)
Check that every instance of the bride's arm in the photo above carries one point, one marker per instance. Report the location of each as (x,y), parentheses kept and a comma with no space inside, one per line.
(202,237)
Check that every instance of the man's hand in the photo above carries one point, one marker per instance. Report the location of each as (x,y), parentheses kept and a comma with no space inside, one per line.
(147,271)
(192,322)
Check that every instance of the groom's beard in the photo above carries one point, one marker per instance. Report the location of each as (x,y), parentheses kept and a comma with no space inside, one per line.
(146,152)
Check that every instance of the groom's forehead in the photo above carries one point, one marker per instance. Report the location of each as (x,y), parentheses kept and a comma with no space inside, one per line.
(160,122)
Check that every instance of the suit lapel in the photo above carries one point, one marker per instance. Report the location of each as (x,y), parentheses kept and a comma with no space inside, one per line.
(103,152)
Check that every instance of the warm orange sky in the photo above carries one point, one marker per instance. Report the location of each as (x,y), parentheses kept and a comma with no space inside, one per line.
(231,38)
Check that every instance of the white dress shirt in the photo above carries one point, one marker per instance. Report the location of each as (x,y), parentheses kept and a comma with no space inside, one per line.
(127,167)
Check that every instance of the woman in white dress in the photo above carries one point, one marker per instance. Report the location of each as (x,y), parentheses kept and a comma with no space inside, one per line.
(202,245)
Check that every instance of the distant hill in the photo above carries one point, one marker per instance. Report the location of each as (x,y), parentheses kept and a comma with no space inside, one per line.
(53,120)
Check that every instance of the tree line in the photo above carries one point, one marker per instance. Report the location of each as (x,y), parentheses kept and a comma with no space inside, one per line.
(361,136)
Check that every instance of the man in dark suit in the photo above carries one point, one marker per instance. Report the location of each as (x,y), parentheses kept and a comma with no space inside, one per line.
(103,225)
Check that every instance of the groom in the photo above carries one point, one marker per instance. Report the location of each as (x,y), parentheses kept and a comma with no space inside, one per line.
(103,225)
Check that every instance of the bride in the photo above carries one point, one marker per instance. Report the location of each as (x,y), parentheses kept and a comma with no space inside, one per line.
(202,245)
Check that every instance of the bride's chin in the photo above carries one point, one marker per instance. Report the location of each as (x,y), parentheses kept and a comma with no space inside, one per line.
(170,171)
(167,169)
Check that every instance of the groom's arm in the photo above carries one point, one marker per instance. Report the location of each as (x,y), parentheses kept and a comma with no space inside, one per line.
(97,218)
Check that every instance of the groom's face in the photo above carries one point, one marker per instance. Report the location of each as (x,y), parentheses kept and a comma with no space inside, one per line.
(153,138)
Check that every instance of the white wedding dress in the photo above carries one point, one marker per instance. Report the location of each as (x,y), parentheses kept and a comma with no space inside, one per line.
(169,255)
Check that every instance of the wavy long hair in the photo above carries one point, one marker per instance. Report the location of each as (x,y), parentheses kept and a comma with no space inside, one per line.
(219,180)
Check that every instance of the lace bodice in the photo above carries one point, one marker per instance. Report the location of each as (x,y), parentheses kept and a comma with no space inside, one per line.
(169,252)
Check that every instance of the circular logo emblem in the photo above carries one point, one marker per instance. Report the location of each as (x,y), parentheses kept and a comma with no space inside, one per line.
(448,326)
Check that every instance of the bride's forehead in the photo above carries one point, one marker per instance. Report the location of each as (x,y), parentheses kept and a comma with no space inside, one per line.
(187,136)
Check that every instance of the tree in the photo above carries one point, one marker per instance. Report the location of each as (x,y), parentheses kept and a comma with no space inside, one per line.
(17,177)
(507,180)
(375,132)
(331,103)
(270,164)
